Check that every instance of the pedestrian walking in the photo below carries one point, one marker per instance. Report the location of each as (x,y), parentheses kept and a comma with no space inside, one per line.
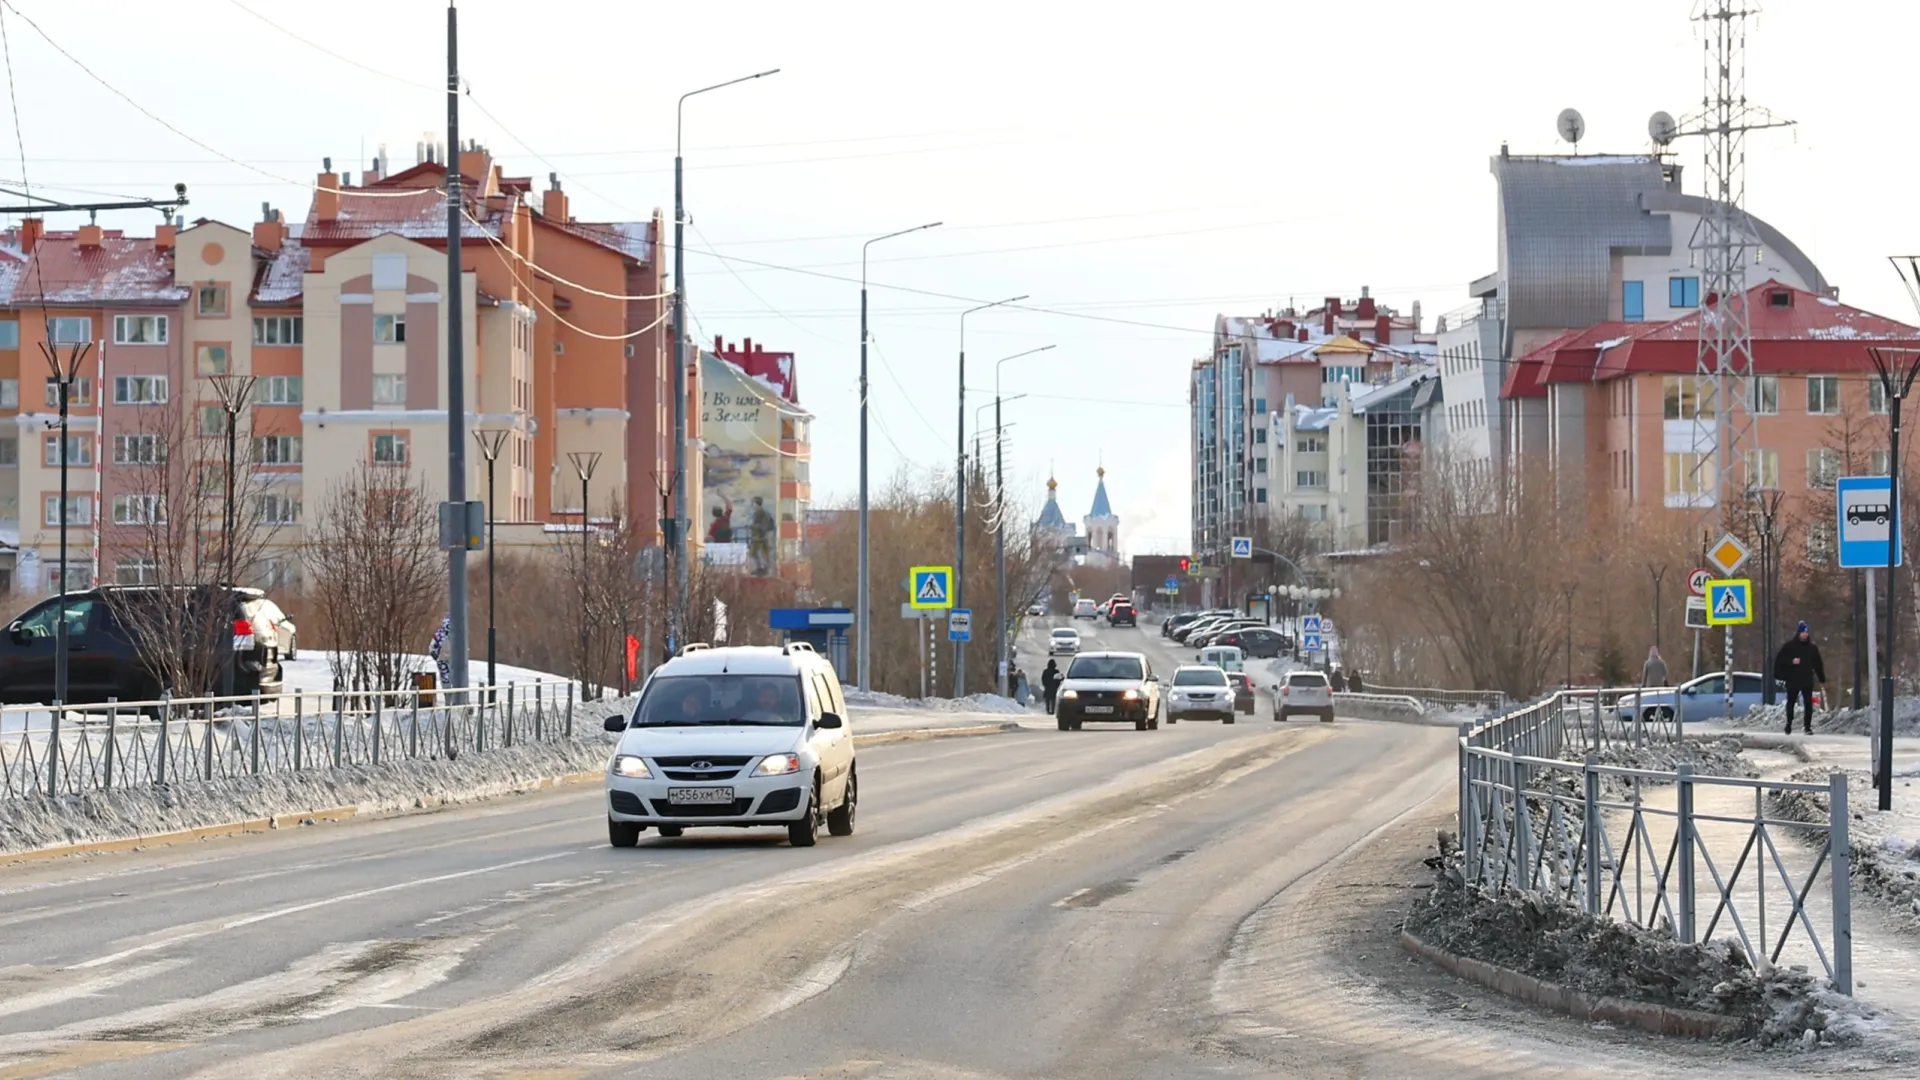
(1800,667)
(1050,681)
(1339,680)
(1654,671)
(1354,684)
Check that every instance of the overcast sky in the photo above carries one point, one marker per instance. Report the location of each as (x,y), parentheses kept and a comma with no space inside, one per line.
(1134,170)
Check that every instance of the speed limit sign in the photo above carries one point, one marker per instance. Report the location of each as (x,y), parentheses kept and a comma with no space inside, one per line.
(1697,582)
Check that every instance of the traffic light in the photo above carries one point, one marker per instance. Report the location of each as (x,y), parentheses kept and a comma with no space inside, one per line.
(1185,563)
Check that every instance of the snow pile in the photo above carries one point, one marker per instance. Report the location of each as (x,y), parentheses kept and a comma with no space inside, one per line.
(1557,942)
(972,703)
(1708,756)
(1886,847)
(1906,719)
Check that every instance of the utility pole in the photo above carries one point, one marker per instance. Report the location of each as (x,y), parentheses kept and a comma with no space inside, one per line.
(234,391)
(1897,367)
(456,544)
(491,440)
(584,463)
(960,494)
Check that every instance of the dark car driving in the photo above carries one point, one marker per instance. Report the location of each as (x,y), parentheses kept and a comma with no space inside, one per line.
(113,637)
(1254,642)
(1242,684)
(1121,613)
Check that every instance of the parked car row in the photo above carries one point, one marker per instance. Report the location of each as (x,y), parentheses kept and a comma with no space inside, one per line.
(1704,698)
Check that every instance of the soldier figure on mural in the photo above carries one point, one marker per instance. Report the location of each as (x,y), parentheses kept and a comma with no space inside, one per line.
(760,537)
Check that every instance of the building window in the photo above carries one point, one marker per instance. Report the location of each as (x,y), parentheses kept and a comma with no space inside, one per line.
(9,393)
(1877,462)
(1310,479)
(213,421)
(278,330)
(279,390)
(212,359)
(1823,395)
(139,510)
(1633,300)
(211,300)
(139,389)
(1819,543)
(79,450)
(136,572)
(67,330)
(1313,512)
(277,572)
(10,451)
(1260,465)
(389,329)
(1763,469)
(138,450)
(1260,406)
(79,510)
(390,449)
(1689,474)
(389,389)
(1876,396)
(1687,397)
(1683,292)
(81,392)
(1310,444)
(9,333)
(139,329)
(1763,395)
(1260,495)
(277,510)
(277,450)
(1259,435)
(1823,468)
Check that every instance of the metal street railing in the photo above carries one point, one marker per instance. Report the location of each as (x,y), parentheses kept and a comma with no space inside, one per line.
(1485,699)
(1687,854)
(128,744)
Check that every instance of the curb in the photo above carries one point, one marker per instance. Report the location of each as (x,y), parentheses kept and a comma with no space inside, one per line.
(295,818)
(1656,1019)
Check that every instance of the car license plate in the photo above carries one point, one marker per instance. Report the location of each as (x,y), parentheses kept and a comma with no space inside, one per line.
(701,796)
(1099,708)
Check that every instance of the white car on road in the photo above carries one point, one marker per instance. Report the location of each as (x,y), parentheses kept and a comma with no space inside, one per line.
(1086,609)
(1064,640)
(1305,692)
(735,737)
(1199,693)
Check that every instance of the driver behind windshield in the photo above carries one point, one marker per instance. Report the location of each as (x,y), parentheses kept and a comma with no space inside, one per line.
(693,705)
(769,705)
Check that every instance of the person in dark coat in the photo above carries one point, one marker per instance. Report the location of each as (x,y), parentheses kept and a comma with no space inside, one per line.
(1800,667)
(1050,681)
(1354,684)
(1338,679)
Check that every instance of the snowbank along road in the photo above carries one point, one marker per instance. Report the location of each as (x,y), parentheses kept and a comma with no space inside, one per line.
(1108,904)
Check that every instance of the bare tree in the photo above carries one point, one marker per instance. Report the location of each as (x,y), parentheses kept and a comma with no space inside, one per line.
(375,574)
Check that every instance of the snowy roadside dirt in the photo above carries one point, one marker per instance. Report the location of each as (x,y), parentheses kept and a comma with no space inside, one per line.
(972,703)
(1906,719)
(1886,847)
(1709,756)
(1559,943)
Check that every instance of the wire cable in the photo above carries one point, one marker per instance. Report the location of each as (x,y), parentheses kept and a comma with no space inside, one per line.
(551,275)
(763,300)
(317,47)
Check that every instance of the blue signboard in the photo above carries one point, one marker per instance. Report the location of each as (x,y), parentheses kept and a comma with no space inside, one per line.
(1864,508)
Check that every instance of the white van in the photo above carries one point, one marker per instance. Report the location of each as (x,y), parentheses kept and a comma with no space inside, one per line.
(1224,657)
(735,737)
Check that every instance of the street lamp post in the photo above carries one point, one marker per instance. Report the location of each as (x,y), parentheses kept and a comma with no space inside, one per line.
(584,462)
(1766,513)
(491,440)
(1897,368)
(65,373)
(234,391)
(864,609)
(960,494)
(676,543)
(1002,661)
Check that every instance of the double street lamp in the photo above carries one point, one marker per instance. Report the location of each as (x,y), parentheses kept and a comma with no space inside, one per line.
(490,440)
(959,597)
(865,611)
(66,372)
(234,391)
(584,463)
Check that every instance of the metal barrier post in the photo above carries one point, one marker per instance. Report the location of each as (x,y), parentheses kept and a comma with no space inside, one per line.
(256,733)
(506,724)
(379,721)
(1598,731)
(166,714)
(1683,838)
(207,743)
(1466,785)
(299,730)
(569,708)
(1590,812)
(568,730)
(339,727)
(1522,828)
(53,752)
(1840,851)
(413,729)
(113,723)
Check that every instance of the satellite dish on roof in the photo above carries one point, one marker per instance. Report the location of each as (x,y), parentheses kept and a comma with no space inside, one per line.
(1662,128)
(1571,126)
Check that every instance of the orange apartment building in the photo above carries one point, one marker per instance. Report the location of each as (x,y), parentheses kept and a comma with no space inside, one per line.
(341,320)
(1617,410)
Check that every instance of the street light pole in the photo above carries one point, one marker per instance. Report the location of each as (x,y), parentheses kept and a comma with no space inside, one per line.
(959,596)
(1897,368)
(864,609)
(65,374)
(1766,513)
(584,462)
(1002,660)
(490,440)
(676,543)
(233,390)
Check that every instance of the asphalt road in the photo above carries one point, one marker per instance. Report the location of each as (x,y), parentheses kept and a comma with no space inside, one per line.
(1031,904)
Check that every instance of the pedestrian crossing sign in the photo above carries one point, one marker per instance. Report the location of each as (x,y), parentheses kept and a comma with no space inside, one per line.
(1729,602)
(932,587)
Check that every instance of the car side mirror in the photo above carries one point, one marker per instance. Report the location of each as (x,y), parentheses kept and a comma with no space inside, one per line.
(616,722)
(830,721)
(1690,691)
(18,633)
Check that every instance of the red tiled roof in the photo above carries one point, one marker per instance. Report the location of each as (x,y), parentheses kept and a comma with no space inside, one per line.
(1522,378)
(634,239)
(1574,355)
(417,214)
(119,271)
(1810,333)
(282,277)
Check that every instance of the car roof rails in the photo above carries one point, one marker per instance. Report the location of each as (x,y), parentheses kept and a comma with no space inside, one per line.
(798,646)
(692,647)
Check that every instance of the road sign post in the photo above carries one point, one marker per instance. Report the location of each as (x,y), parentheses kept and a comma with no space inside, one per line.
(930,587)
(1697,611)
(1863,511)
(1729,604)
(1243,547)
(1729,554)
(960,625)
(1697,581)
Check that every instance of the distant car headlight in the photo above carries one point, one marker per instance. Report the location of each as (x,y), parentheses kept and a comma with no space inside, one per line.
(631,767)
(778,765)
(1069,694)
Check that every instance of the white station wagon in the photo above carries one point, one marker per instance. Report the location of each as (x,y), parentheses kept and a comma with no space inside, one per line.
(735,737)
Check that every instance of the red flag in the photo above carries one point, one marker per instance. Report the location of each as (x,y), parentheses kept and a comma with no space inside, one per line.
(633,658)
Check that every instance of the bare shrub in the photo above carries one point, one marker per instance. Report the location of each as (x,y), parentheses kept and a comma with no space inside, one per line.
(375,575)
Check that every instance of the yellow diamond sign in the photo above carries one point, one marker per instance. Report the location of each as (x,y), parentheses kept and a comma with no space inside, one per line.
(1728,553)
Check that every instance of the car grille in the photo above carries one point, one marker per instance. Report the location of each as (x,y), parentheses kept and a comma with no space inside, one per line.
(1100,697)
(675,810)
(626,802)
(714,767)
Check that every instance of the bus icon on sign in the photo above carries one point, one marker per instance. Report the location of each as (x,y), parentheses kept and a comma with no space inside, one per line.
(1878,513)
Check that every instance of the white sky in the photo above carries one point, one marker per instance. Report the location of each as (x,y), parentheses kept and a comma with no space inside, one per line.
(1158,165)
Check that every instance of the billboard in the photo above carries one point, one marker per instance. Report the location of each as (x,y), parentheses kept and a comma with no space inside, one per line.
(739,468)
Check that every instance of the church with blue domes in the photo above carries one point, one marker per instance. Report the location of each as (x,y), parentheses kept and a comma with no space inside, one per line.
(1099,545)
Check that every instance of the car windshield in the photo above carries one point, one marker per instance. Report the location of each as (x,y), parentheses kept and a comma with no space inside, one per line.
(696,700)
(1105,667)
(1301,678)
(1063,633)
(1199,677)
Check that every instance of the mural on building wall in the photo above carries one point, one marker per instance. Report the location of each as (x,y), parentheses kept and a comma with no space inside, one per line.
(740,468)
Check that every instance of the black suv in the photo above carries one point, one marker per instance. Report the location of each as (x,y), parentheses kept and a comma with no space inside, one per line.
(108,658)
(1122,614)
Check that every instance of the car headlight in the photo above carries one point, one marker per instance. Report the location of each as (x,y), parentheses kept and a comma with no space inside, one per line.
(631,767)
(1069,694)
(778,765)
(1131,695)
